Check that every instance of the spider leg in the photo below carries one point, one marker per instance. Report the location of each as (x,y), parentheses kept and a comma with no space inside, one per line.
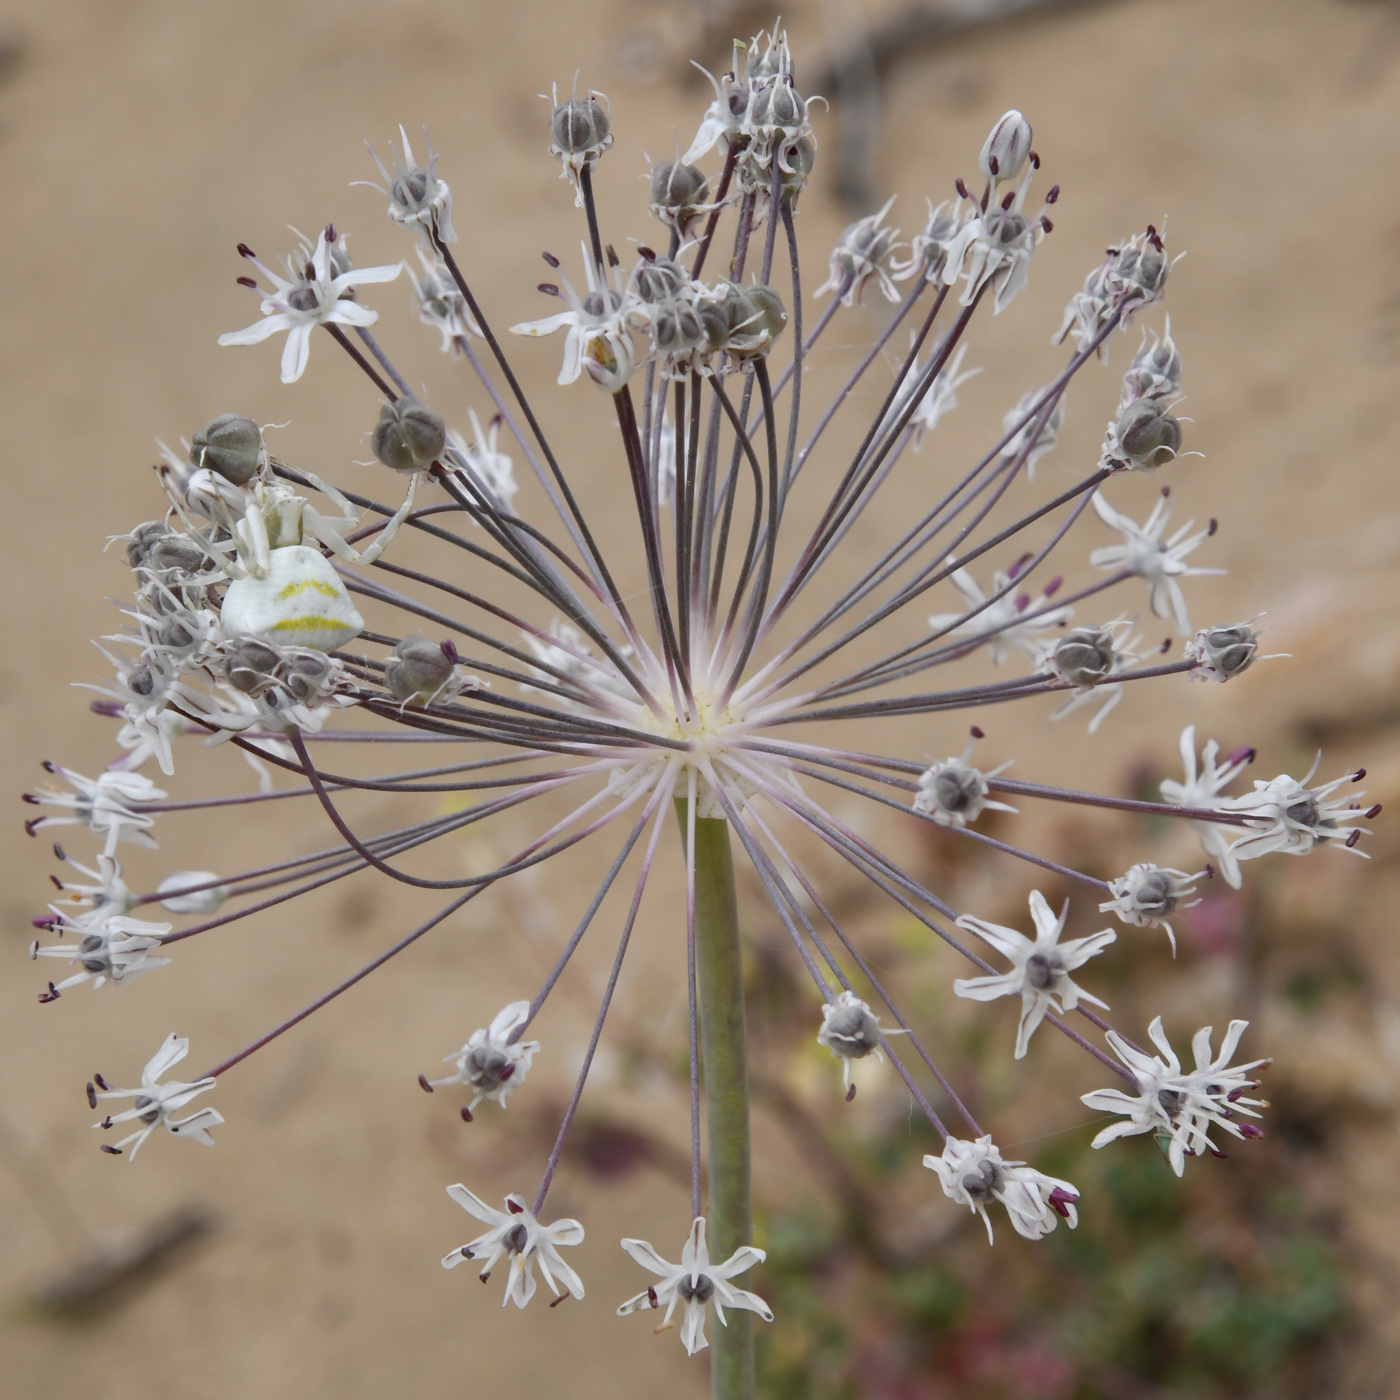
(323,529)
(226,560)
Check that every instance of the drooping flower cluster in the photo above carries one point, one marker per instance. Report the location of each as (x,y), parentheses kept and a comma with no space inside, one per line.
(717,693)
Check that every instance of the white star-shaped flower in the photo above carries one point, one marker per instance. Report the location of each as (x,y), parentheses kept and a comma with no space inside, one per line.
(1158,561)
(695,1282)
(1293,818)
(315,296)
(1040,970)
(994,249)
(102,804)
(974,1173)
(999,624)
(1201,789)
(156,1104)
(110,948)
(939,398)
(599,336)
(1049,434)
(493,1066)
(516,1232)
(491,466)
(1181,1107)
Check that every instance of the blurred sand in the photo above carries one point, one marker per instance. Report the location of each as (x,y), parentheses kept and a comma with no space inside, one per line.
(140,140)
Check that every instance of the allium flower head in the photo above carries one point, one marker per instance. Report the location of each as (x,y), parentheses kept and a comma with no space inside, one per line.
(712,627)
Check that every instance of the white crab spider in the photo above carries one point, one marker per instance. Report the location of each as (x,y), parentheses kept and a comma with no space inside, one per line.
(281,587)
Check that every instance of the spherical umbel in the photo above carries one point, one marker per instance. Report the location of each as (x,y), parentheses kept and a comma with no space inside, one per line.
(231,445)
(408,436)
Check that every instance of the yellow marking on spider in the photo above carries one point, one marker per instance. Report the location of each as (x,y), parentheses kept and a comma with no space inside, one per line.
(292,589)
(307,624)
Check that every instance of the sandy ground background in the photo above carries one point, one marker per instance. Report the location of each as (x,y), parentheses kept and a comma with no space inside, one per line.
(140,140)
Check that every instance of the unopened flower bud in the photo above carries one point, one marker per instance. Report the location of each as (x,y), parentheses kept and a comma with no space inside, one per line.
(418,669)
(1084,655)
(580,127)
(230,445)
(1147,434)
(779,106)
(408,435)
(201,901)
(249,663)
(1006,148)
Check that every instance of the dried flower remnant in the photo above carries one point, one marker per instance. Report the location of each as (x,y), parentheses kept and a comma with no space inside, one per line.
(722,663)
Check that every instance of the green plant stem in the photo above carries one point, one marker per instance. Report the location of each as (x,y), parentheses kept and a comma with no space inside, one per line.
(720,977)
